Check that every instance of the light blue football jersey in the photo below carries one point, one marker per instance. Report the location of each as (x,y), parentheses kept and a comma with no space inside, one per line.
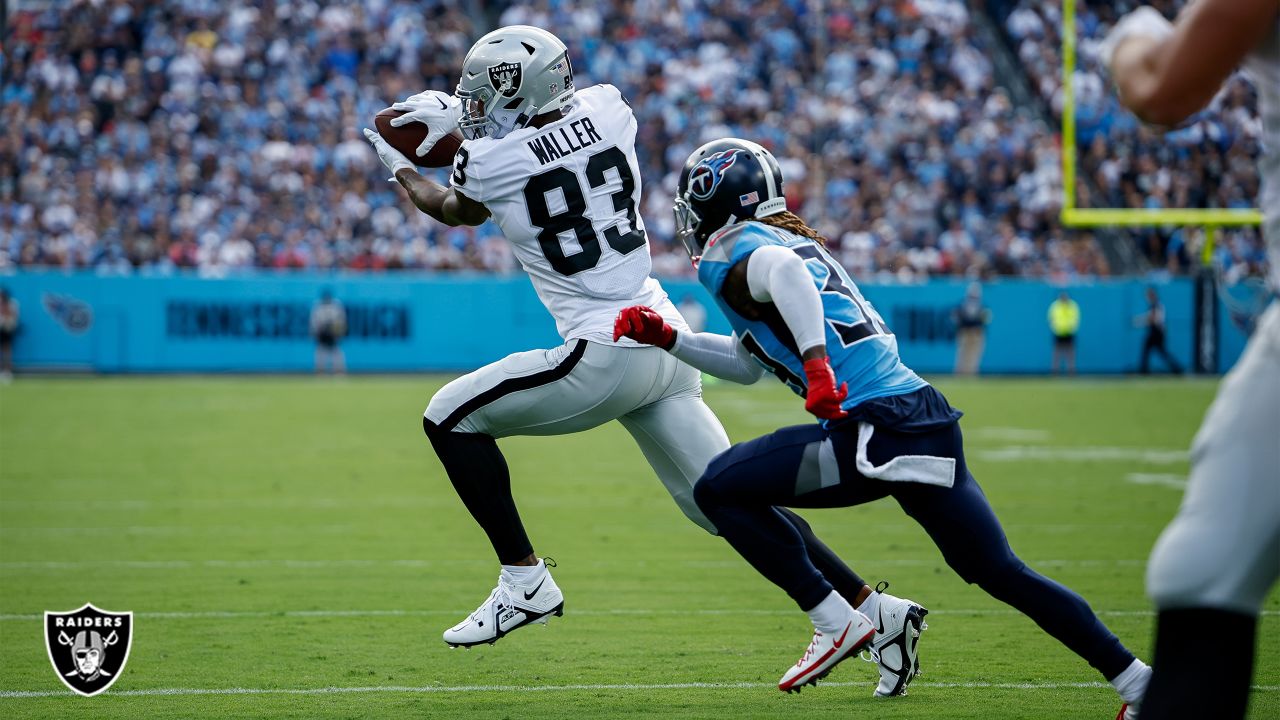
(863,352)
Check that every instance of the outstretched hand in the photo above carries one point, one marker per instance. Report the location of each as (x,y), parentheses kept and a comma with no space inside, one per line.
(439,111)
(643,325)
(391,157)
(824,398)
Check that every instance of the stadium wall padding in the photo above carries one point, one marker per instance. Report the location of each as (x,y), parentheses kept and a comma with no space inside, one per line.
(450,322)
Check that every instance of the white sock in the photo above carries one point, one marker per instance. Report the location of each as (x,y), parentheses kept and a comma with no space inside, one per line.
(832,614)
(868,606)
(1132,683)
(521,573)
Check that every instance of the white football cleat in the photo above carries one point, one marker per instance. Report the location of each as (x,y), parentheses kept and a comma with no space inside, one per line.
(511,605)
(899,623)
(826,651)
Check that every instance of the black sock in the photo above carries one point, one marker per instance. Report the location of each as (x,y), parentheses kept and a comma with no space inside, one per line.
(1181,686)
(479,474)
(845,581)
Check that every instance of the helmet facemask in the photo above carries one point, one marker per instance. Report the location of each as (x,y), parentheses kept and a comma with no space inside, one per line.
(474,123)
(704,203)
(509,77)
(687,223)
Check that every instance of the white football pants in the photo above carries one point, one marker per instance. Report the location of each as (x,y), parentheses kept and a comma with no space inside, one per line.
(1222,550)
(582,384)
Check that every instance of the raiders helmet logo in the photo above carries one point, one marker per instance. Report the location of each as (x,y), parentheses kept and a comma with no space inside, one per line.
(88,647)
(706,176)
(505,78)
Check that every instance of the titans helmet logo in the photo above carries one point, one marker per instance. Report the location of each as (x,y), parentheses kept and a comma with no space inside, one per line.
(706,175)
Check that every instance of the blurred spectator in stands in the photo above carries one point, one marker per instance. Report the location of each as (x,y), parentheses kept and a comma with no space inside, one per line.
(328,327)
(1064,323)
(971,318)
(9,323)
(1153,320)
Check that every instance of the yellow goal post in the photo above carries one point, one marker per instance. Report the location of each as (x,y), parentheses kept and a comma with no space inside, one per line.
(1208,219)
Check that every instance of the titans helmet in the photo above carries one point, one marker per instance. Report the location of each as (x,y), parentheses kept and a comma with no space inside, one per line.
(724,182)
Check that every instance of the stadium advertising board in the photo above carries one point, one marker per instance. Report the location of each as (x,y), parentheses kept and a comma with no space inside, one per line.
(400,323)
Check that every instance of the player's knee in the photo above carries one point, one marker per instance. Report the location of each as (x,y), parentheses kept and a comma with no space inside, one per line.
(689,506)
(429,428)
(704,494)
(709,491)
(986,570)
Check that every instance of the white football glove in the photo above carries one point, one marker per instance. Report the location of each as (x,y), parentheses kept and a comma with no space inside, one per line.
(439,111)
(1146,21)
(391,157)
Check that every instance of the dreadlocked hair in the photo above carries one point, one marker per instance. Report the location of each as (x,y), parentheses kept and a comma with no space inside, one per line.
(791,222)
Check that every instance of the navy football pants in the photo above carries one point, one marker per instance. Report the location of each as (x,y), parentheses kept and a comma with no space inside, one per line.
(809,466)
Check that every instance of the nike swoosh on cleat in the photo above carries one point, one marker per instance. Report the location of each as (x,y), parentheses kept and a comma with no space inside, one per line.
(843,635)
(879,621)
(529,595)
(795,681)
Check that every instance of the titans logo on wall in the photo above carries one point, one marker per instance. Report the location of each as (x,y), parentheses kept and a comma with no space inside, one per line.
(72,314)
(88,647)
(707,175)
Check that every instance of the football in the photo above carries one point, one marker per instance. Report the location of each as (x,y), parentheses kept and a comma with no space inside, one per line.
(407,138)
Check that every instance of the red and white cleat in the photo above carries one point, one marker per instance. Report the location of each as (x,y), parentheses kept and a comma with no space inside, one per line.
(826,650)
(1127,712)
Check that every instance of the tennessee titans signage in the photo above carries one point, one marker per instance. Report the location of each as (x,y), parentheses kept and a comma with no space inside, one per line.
(74,315)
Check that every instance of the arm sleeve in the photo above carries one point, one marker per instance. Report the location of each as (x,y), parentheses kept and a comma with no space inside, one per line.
(719,355)
(777,275)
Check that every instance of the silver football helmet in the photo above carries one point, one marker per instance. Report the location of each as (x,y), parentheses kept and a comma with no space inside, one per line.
(509,76)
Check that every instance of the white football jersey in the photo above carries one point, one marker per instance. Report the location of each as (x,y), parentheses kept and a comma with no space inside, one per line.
(566,196)
(1264,65)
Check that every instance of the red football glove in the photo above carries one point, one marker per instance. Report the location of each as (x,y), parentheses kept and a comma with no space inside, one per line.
(644,325)
(824,398)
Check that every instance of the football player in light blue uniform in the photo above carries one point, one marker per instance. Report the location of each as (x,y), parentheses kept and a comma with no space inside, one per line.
(860,347)
(885,432)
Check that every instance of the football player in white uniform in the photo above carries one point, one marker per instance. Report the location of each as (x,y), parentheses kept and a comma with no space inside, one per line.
(1214,564)
(557,170)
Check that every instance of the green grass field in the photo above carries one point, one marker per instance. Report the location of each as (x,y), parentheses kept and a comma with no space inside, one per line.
(291,548)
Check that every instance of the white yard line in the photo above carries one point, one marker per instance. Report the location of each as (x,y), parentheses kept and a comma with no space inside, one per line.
(1008,434)
(251,503)
(434,689)
(1082,453)
(1177,482)
(183,529)
(1007,453)
(82,565)
(637,612)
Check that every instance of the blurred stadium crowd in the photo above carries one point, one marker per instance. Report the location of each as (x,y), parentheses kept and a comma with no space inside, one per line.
(1211,162)
(148,136)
